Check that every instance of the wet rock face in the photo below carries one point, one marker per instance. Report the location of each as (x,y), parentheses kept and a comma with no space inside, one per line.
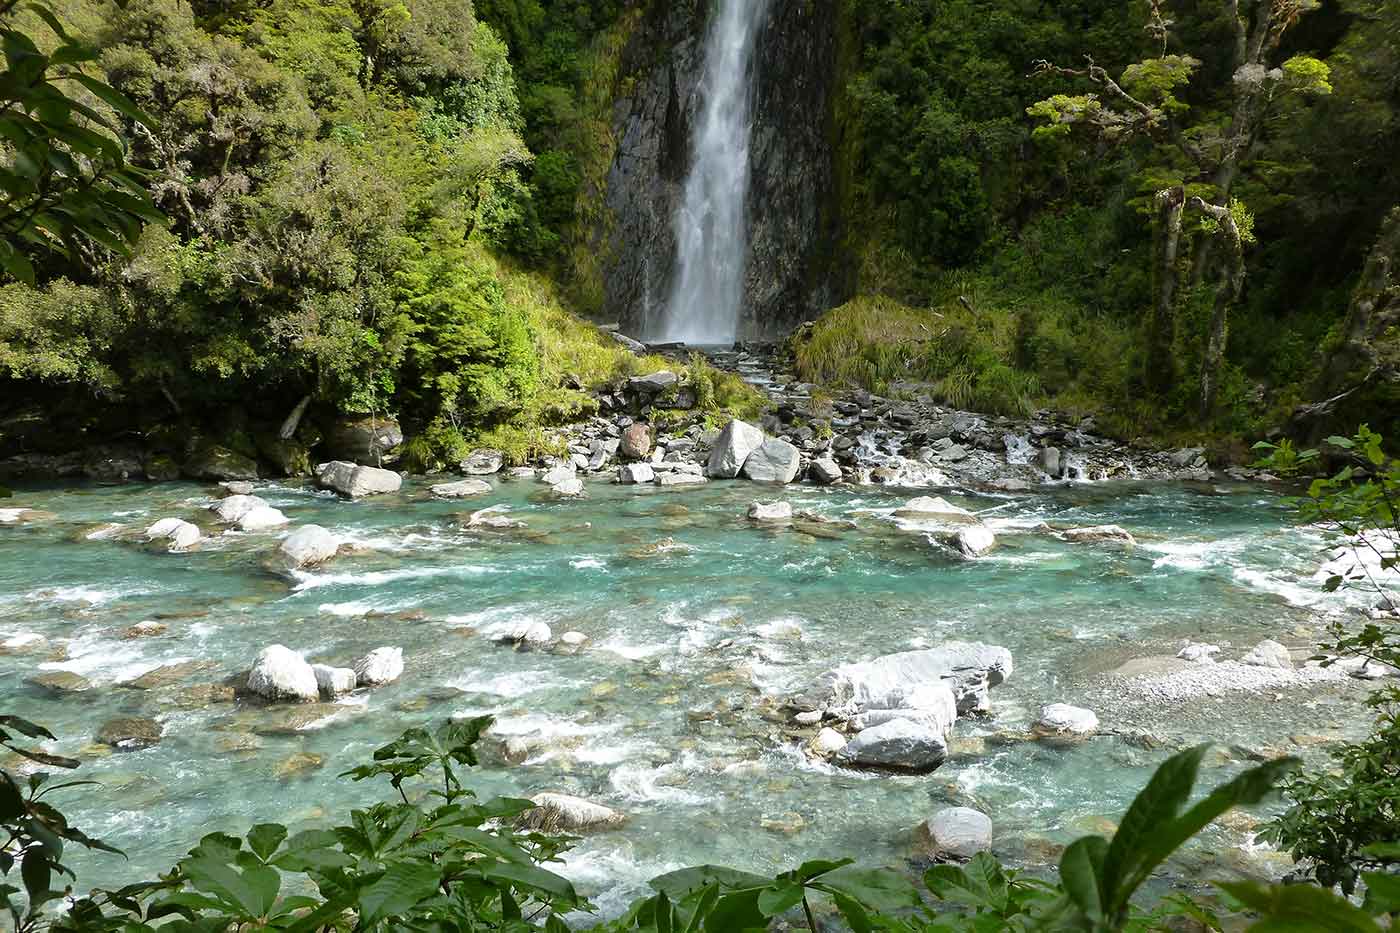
(793,229)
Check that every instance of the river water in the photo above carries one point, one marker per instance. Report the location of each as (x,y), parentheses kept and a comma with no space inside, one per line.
(658,715)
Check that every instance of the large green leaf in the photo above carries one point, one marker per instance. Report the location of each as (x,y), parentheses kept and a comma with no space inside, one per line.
(251,891)
(1298,908)
(879,889)
(402,886)
(779,898)
(1382,892)
(678,884)
(534,878)
(1081,873)
(1248,788)
(1156,805)
(264,839)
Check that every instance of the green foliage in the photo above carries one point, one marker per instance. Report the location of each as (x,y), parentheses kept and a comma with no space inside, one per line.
(1157,79)
(1308,75)
(1339,821)
(65,180)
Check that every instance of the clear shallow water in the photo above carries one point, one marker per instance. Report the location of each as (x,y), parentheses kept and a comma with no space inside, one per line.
(658,715)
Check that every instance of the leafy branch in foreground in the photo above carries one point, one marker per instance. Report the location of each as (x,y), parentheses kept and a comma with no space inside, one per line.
(64,177)
(437,858)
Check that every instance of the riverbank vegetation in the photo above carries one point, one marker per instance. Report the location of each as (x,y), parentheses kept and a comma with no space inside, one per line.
(1027,148)
(361,205)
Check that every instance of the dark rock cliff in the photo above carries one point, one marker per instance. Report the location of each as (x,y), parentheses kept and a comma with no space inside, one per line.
(792,272)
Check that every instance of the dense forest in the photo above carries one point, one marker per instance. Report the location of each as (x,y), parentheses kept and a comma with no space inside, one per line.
(386,207)
(1090,263)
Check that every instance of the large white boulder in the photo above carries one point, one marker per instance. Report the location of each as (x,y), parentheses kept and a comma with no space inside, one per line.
(635,473)
(334,681)
(968,669)
(356,481)
(957,833)
(774,461)
(1065,722)
(279,673)
(308,546)
(1269,653)
(827,743)
(732,448)
(381,666)
(900,744)
(770,512)
(461,489)
(180,533)
(572,814)
(262,518)
(557,475)
(972,541)
(571,488)
(232,508)
(935,508)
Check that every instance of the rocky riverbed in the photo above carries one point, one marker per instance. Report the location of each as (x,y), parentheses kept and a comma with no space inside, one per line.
(878,638)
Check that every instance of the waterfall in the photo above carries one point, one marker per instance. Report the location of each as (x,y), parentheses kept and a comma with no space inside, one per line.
(710,226)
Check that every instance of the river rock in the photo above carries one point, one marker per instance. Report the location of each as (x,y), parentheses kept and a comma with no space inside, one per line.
(146,629)
(308,546)
(654,383)
(558,475)
(1097,533)
(365,439)
(957,833)
(1198,653)
(680,478)
(935,508)
(60,682)
(1269,653)
(571,488)
(130,733)
(827,743)
(1062,721)
(461,489)
(825,471)
(181,534)
(770,512)
(635,473)
(381,666)
(262,518)
(900,744)
(1050,461)
(554,812)
(732,448)
(167,675)
(334,681)
(636,442)
(774,461)
(232,508)
(968,669)
(974,541)
(354,481)
(482,462)
(213,462)
(279,673)
(237,487)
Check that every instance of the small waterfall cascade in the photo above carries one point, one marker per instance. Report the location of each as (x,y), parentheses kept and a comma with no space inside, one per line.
(710,226)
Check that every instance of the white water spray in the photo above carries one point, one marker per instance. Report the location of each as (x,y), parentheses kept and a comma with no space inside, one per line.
(711,229)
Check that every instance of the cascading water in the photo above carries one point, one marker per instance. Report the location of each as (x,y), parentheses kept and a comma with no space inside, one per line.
(710,226)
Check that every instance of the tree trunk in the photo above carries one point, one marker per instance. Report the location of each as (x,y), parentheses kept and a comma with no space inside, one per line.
(1226,294)
(1161,373)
